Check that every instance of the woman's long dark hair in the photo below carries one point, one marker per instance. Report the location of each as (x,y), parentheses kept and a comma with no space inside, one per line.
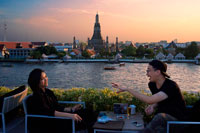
(34,79)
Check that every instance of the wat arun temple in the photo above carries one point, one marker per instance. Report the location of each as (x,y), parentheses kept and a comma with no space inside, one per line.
(96,42)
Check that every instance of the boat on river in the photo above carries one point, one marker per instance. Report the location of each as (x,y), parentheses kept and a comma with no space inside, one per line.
(109,68)
(122,64)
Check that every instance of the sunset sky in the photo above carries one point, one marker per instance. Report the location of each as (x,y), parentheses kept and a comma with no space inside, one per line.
(129,20)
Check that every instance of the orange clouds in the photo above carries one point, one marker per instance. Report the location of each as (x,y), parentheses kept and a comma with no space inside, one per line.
(136,20)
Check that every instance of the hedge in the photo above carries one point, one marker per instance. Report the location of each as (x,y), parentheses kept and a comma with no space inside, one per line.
(103,99)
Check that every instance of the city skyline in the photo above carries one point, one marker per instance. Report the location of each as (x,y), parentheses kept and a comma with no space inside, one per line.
(129,20)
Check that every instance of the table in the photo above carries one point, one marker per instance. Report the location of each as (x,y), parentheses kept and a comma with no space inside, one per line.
(119,125)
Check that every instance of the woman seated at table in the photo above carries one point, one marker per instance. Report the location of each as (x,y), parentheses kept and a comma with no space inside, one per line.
(44,102)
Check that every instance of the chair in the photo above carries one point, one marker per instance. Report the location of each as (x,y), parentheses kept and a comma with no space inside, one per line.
(189,107)
(46,116)
(9,102)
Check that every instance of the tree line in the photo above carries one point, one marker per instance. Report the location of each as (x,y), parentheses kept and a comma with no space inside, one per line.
(190,52)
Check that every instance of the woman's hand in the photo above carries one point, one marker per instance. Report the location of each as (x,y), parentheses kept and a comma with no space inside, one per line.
(149,110)
(117,86)
(76,107)
(76,117)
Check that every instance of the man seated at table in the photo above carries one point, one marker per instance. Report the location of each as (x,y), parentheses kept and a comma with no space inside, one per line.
(166,98)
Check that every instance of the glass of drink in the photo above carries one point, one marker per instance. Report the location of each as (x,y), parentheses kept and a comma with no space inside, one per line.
(128,112)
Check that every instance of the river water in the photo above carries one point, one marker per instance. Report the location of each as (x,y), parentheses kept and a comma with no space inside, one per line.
(93,75)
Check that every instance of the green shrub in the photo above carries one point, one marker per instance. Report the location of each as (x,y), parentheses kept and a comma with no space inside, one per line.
(103,99)
(4,90)
(191,98)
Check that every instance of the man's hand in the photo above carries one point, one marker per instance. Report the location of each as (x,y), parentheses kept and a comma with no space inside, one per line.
(117,86)
(149,110)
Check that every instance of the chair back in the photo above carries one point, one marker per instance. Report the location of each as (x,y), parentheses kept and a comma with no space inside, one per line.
(15,100)
(25,103)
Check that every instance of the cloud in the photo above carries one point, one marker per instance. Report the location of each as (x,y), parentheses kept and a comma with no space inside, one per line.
(36,21)
(90,12)
(70,10)
(119,2)
(2,15)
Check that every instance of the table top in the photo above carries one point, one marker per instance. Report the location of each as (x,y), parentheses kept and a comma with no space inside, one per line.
(122,120)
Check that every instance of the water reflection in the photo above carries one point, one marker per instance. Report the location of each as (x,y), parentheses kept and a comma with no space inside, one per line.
(92,75)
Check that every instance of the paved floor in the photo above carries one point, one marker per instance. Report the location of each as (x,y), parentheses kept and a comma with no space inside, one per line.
(18,126)
(15,126)
(18,129)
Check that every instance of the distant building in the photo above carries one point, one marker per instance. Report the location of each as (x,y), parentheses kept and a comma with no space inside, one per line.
(56,44)
(19,50)
(160,56)
(127,43)
(198,43)
(13,45)
(139,44)
(107,45)
(39,44)
(189,43)
(64,48)
(170,56)
(74,43)
(91,52)
(19,53)
(117,45)
(180,56)
(163,43)
(171,48)
(197,57)
(181,45)
(76,53)
(113,48)
(96,42)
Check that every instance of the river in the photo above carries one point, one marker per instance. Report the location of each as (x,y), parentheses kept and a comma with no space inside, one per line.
(93,75)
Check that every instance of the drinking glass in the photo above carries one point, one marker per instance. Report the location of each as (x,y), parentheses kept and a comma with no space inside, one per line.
(128,112)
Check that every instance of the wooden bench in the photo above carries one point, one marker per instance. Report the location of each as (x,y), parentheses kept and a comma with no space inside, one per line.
(9,102)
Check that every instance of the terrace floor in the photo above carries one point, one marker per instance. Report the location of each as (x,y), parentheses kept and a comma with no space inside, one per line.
(15,126)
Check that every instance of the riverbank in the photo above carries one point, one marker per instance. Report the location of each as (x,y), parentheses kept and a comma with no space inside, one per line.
(106,61)
(12,60)
(96,60)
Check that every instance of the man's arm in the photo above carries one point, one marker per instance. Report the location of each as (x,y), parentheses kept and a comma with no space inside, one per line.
(160,96)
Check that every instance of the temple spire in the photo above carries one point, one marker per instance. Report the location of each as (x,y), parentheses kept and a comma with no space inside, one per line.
(74,43)
(117,45)
(97,18)
(96,41)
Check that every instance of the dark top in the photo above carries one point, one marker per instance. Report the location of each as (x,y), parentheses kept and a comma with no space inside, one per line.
(174,105)
(44,103)
(195,112)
